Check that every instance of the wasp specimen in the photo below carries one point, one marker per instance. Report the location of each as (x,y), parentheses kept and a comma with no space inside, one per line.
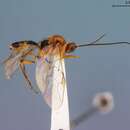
(54,45)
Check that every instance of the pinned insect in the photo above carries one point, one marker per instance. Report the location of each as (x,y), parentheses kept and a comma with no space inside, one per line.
(28,52)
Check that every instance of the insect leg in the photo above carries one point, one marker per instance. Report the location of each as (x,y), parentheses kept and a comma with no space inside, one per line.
(27,62)
(30,53)
(70,56)
(63,55)
(23,70)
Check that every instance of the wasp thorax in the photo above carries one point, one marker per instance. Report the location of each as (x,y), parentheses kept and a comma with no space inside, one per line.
(70,47)
(44,43)
(56,39)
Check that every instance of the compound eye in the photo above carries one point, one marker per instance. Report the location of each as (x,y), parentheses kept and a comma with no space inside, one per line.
(70,47)
(58,41)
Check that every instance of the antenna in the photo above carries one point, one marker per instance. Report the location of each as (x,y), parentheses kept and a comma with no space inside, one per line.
(94,43)
(103,44)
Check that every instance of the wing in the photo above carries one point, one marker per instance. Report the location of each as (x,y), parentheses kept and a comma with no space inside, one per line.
(50,77)
(11,64)
(59,82)
(43,70)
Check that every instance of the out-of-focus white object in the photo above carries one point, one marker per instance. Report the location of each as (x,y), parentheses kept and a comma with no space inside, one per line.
(51,80)
(104,102)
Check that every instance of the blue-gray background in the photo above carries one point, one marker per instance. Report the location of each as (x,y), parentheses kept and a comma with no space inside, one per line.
(98,69)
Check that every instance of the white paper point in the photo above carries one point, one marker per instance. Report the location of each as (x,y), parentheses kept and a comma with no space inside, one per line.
(51,80)
(60,112)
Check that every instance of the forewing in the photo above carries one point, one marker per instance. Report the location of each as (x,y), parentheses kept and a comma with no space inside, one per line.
(43,78)
(11,65)
(59,82)
(49,75)
(12,62)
